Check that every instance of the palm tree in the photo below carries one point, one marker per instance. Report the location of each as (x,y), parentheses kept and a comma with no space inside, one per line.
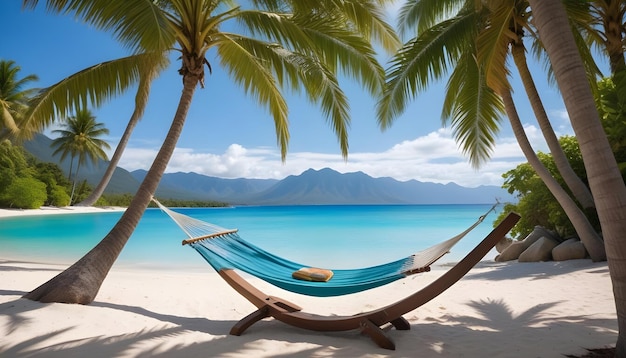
(604,176)
(141,100)
(13,97)
(509,23)
(475,89)
(608,29)
(287,45)
(79,138)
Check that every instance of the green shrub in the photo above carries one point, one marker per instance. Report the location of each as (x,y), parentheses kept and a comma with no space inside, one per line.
(25,193)
(57,196)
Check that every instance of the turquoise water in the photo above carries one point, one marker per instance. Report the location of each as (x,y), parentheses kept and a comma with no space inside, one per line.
(327,236)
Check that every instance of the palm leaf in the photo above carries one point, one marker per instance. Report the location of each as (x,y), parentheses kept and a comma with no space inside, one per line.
(473,109)
(90,87)
(492,45)
(255,77)
(139,25)
(422,60)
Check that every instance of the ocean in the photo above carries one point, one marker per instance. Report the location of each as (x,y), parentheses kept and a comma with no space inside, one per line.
(332,236)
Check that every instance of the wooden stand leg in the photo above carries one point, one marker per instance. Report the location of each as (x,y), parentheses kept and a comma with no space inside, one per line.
(377,335)
(249,320)
(401,324)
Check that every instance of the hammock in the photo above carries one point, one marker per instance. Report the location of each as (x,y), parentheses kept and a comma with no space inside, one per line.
(225,249)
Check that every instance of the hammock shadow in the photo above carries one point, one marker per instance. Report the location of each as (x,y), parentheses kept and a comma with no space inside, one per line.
(197,324)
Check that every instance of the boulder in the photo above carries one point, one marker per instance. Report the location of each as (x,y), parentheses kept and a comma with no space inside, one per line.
(513,251)
(503,244)
(540,250)
(571,249)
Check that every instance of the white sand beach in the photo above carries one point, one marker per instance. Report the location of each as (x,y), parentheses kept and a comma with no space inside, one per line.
(546,309)
(52,210)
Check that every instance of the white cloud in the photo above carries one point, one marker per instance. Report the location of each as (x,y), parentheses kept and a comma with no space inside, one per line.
(430,158)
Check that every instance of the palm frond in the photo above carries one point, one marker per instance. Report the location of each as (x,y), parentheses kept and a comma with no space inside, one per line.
(422,60)
(90,87)
(473,109)
(139,25)
(255,77)
(369,21)
(420,15)
(492,45)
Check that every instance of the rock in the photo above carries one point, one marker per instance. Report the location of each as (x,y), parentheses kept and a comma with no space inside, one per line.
(513,251)
(571,249)
(540,250)
(503,244)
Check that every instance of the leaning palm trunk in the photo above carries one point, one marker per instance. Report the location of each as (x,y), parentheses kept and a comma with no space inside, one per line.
(580,191)
(588,236)
(141,98)
(604,176)
(81,282)
(115,159)
(74,183)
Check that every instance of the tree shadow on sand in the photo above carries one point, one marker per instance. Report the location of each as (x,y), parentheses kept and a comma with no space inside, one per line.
(499,271)
(494,331)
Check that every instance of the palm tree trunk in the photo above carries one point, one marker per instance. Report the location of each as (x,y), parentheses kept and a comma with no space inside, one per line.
(117,155)
(69,175)
(141,98)
(74,183)
(81,282)
(604,176)
(580,191)
(588,236)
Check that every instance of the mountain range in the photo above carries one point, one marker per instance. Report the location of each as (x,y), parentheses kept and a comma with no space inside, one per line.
(312,187)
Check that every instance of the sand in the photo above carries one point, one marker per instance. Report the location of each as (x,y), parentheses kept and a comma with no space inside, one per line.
(545,309)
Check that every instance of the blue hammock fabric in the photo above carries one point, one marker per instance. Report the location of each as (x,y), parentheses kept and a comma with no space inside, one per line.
(225,249)
(232,252)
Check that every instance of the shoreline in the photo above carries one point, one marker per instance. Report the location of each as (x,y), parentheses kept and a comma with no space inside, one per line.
(55,210)
(546,309)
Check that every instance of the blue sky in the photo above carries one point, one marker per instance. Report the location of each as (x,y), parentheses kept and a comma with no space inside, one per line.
(228,135)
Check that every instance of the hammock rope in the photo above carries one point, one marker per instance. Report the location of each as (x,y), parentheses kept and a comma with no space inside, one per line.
(224,248)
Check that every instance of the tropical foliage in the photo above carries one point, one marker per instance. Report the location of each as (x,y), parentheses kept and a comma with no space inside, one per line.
(471,41)
(13,97)
(611,102)
(79,138)
(536,204)
(26,186)
(278,46)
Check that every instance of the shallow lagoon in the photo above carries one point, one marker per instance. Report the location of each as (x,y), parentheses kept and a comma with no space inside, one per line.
(340,236)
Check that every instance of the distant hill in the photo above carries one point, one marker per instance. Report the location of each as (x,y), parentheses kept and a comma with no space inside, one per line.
(312,187)
(206,187)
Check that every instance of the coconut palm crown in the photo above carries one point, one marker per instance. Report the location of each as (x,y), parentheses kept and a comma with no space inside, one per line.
(300,45)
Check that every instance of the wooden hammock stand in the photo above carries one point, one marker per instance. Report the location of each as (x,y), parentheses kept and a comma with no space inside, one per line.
(369,323)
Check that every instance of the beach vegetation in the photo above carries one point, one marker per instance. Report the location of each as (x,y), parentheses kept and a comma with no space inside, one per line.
(536,204)
(14,97)
(18,186)
(278,46)
(79,137)
(471,42)
(25,193)
(57,185)
(16,163)
(611,102)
